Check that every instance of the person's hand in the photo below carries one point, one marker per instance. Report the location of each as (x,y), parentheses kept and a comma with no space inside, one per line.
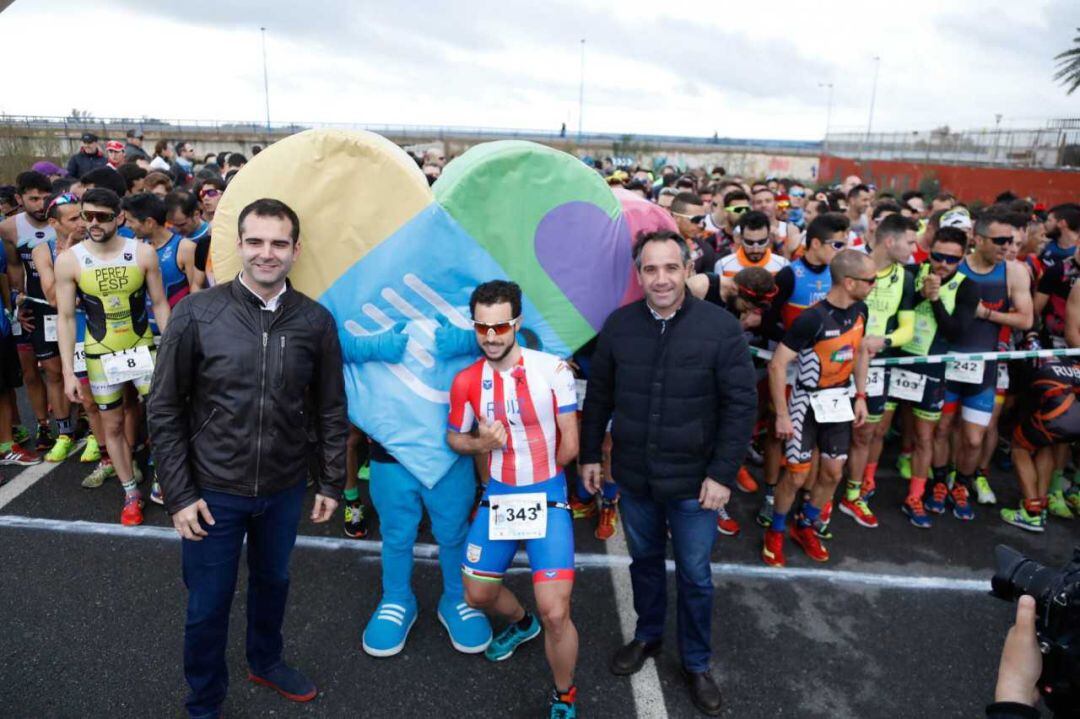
(784,428)
(713,495)
(592,476)
(931,287)
(73,388)
(323,509)
(1021,660)
(751,320)
(492,435)
(861,413)
(873,345)
(26,319)
(186,520)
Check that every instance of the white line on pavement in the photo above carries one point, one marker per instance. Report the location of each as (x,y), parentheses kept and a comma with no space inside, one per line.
(645,684)
(582,560)
(29,477)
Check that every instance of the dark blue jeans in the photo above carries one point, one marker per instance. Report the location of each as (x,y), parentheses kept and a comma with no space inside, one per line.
(210,569)
(693,531)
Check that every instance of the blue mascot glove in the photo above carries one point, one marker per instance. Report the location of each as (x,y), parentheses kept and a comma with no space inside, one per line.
(452,341)
(387,346)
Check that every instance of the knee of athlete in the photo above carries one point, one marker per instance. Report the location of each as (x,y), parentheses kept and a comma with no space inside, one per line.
(555,616)
(798,479)
(480,597)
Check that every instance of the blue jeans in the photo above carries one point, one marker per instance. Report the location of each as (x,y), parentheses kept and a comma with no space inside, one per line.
(693,531)
(210,569)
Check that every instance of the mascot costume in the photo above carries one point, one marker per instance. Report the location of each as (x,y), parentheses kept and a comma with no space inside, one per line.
(395,262)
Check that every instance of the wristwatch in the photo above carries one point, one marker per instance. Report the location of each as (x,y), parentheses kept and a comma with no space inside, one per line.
(888,341)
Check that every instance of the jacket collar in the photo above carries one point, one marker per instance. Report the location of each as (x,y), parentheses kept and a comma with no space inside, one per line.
(242,293)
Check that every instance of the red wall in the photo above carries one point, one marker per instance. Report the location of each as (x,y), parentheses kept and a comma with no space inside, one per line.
(969,183)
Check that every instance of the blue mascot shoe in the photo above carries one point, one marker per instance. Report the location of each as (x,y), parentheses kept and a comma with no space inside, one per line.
(385,634)
(469,629)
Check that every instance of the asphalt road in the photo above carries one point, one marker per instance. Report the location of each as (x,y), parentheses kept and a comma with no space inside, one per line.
(92,617)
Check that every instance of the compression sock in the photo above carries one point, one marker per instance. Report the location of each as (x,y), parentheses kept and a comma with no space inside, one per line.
(779,522)
(64,426)
(131,488)
(352,495)
(525,622)
(941,474)
(916,488)
(809,514)
(1057,481)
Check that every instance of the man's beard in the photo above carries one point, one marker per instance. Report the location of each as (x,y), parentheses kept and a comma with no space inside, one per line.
(104,238)
(504,355)
(1054,234)
(39,215)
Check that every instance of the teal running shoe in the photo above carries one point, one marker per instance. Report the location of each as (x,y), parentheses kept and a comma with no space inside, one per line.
(507,641)
(563,706)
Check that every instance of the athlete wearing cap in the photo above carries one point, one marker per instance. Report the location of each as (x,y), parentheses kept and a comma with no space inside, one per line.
(522,405)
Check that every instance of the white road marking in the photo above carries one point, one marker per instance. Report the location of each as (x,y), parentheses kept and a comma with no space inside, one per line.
(582,560)
(30,476)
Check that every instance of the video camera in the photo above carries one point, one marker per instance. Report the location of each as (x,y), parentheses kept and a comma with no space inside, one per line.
(1057,620)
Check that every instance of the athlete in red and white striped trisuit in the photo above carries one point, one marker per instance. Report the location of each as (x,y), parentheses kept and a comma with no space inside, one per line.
(526,400)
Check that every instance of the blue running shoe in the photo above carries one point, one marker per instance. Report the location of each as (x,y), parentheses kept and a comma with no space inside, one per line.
(915,512)
(961,504)
(386,632)
(936,501)
(563,706)
(506,643)
(469,629)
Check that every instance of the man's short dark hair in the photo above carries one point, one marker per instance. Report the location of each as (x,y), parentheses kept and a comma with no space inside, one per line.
(61,185)
(989,216)
(758,189)
(846,263)
(686,181)
(236,160)
(894,226)
(1069,213)
(911,195)
(661,236)
(684,200)
(753,220)
(755,284)
(882,207)
(1007,196)
(854,191)
(180,146)
(735,195)
(269,207)
(32,180)
(102,197)
(825,226)
(205,182)
(131,173)
(182,201)
(145,206)
(950,234)
(497,292)
(108,178)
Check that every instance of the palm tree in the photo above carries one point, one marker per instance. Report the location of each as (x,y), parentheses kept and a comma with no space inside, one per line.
(1069,66)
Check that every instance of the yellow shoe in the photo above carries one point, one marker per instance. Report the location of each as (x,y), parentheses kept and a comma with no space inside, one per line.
(92,452)
(61,449)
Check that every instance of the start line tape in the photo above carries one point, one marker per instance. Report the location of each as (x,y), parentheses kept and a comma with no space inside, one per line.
(952,357)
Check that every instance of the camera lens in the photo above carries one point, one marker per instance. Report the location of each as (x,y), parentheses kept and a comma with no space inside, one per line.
(1017,575)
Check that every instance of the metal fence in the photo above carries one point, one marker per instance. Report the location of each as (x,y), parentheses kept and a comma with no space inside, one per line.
(1054,146)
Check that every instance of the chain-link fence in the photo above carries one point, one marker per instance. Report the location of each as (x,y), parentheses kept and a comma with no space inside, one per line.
(1055,146)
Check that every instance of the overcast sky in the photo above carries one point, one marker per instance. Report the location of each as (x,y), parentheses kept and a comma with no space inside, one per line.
(747,69)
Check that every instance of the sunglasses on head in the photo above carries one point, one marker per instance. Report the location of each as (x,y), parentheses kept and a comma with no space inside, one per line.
(65,199)
(499,328)
(947,259)
(1001,240)
(96,216)
(737,209)
(758,299)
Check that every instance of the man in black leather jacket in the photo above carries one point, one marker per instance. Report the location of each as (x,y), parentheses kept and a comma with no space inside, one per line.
(248,384)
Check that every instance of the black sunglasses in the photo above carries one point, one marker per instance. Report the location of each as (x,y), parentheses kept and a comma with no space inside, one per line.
(942,257)
(764,242)
(868,280)
(1001,240)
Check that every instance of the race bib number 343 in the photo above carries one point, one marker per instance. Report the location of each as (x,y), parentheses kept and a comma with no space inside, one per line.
(517,516)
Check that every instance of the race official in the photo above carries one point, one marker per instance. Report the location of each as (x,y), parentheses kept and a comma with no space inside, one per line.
(248,385)
(673,373)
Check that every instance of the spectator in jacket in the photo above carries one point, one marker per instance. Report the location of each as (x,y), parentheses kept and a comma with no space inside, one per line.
(247,365)
(133,150)
(87,158)
(673,373)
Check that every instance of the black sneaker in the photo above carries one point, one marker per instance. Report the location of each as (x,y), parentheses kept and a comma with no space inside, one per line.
(44,440)
(356,524)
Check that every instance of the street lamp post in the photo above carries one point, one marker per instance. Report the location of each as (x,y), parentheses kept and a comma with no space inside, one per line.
(828,114)
(873,96)
(266,80)
(581,92)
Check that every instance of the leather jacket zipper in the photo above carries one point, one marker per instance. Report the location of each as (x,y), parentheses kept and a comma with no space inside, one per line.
(281,362)
(204,425)
(262,402)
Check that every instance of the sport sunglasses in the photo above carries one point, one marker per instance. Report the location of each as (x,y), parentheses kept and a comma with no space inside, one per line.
(499,328)
(1001,240)
(947,259)
(96,216)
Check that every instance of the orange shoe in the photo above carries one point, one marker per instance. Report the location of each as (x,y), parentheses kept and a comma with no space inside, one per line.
(725,524)
(806,538)
(581,510)
(745,481)
(772,551)
(608,524)
(131,515)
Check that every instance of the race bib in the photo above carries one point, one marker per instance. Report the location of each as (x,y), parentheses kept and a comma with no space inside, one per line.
(80,357)
(1003,376)
(906,385)
(968,371)
(580,385)
(517,516)
(832,405)
(50,328)
(127,365)
(875,382)
(16,328)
